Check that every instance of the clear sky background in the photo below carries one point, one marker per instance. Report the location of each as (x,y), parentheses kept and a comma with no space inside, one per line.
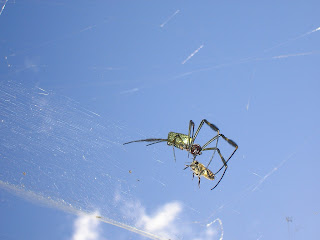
(80,78)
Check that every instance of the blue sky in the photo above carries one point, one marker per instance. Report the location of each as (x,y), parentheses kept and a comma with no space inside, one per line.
(80,78)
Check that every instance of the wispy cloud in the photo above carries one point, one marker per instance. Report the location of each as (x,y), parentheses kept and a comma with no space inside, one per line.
(192,54)
(271,172)
(292,39)
(130,91)
(242,61)
(4,5)
(248,104)
(157,180)
(293,55)
(42,91)
(315,30)
(213,232)
(259,237)
(29,65)
(86,227)
(104,68)
(165,22)
(87,28)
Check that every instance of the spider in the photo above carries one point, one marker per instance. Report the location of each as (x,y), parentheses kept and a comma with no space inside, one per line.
(186,142)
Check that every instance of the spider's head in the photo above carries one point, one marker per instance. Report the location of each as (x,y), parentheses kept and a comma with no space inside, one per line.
(196,149)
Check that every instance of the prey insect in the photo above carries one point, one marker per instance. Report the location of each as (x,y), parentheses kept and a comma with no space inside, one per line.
(187,142)
(199,170)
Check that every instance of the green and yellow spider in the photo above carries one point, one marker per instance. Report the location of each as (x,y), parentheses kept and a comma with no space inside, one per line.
(186,142)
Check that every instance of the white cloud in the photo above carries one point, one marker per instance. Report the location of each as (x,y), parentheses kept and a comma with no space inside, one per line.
(162,222)
(209,234)
(86,227)
(165,221)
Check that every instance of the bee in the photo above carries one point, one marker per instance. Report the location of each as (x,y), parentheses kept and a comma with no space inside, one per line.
(199,170)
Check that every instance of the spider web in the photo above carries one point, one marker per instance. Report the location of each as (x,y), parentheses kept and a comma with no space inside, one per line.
(52,146)
(59,154)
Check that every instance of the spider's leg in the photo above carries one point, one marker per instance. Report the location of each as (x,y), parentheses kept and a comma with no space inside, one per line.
(174,154)
(173,145)
(220,179)
(212,126)
(198,130)
(213,151)
(212,154)
(153,143)
(223,161)
(222,158)
(225,165)
(191,124)
(199,182)
(232,143)
(156,140)
(210,141)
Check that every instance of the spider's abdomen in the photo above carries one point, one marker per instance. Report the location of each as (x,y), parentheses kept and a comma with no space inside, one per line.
(178,140)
